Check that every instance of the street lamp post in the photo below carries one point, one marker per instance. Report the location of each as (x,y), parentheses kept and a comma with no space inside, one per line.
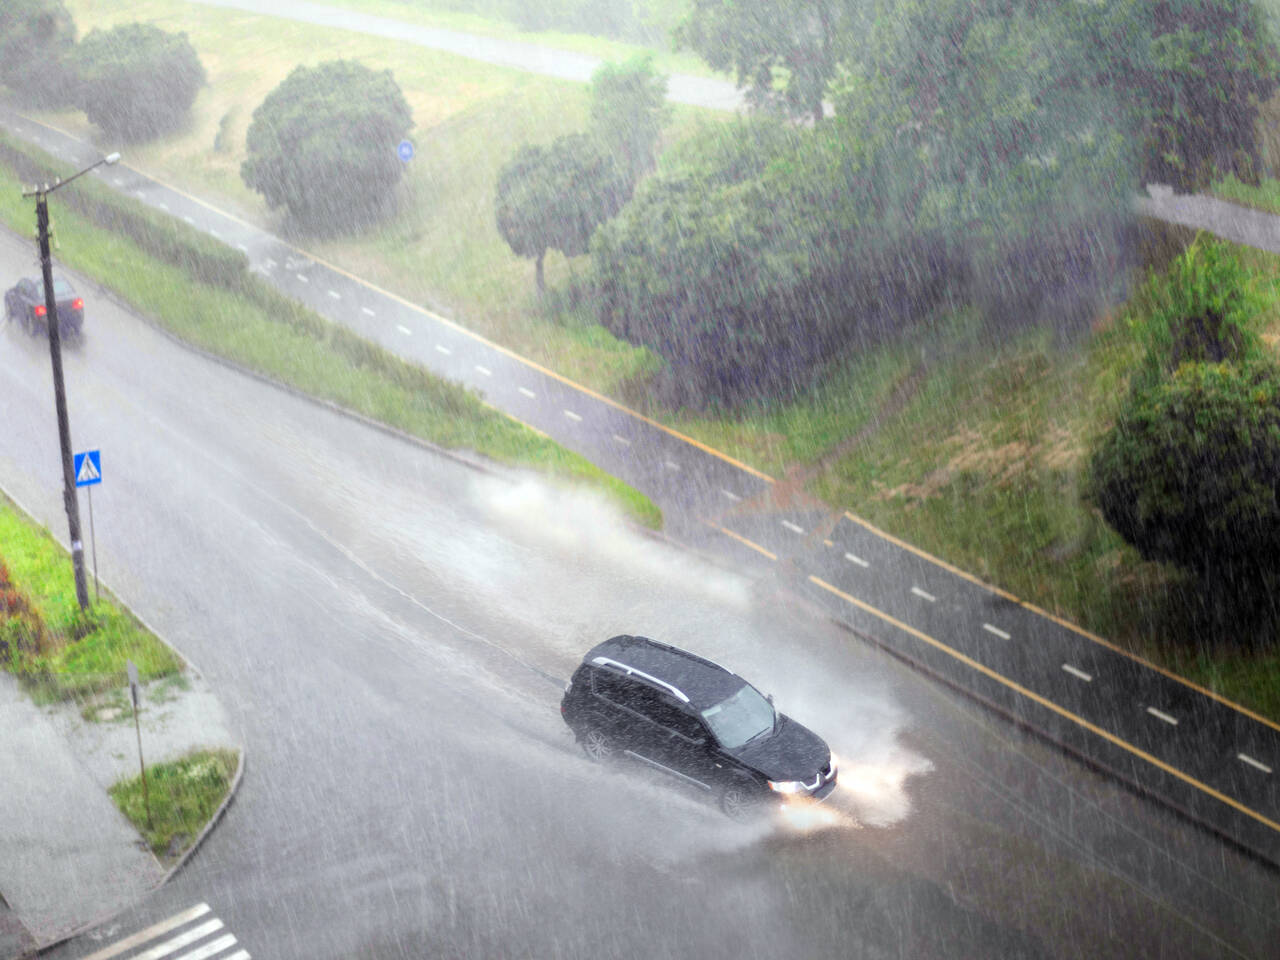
(69,498)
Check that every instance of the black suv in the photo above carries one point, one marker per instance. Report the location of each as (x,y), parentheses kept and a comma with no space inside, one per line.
(691,718)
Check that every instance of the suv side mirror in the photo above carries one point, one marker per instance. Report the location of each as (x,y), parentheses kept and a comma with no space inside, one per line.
(770,699)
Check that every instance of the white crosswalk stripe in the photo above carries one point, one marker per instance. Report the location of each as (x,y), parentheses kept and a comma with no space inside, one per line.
(192,934)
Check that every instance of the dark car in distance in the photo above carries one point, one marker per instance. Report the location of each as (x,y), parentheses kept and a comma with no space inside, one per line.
(25,303)
(636,699)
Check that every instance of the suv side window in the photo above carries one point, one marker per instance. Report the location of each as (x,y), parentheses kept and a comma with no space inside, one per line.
(613,687)
(657,707)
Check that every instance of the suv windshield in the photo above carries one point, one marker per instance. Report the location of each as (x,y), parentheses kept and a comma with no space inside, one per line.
(741,717)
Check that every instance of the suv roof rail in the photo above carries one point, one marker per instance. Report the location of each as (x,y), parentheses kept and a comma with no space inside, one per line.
(633,672)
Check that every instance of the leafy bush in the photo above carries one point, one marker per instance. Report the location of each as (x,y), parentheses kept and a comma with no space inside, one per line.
(37,38)
(1190,474)
(628,112)
(137,81)
(323,143)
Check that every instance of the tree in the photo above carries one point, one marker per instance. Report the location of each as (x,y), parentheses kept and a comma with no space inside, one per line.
(136,81)
(554,198)
(784,52)
(1194,73)
(323,143)
(36,40)
(1190,474)
(628,112)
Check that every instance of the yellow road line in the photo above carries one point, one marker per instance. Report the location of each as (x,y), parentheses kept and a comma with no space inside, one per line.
(691,441)
(741,539)
(452,325)
(1064,623)
(1048,704)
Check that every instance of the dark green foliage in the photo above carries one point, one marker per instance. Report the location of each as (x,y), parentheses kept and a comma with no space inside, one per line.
(1190,474)
(136,81)
(1203,309)
(323,143)
(628,112)
(784,52)
(37,39)
(1195,73)
(554,198)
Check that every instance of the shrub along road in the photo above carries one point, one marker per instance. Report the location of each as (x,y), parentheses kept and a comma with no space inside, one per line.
(390,629)
(1206,757)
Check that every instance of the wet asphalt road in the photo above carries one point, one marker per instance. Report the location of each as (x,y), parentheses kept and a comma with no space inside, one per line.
(381,623)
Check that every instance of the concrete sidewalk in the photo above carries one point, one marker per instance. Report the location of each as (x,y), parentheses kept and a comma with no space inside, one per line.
(68,857)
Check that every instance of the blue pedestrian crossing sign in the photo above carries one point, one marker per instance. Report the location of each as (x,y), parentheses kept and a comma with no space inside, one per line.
(88,468)
(405,150)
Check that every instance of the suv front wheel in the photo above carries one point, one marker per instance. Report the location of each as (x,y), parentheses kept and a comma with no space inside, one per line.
(597,745)
(739,801)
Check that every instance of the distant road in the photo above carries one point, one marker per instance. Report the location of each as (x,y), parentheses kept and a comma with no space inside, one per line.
(708,92)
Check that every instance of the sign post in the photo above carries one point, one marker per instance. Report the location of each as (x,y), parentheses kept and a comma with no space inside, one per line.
(88,470)
(133,692)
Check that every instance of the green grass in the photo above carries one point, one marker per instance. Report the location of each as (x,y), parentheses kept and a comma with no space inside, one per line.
(75,653)
(308,358)
(183,794)
(441,247)
(1265,196)
(667,60)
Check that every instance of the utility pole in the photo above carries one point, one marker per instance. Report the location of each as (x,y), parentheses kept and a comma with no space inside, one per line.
(69,498)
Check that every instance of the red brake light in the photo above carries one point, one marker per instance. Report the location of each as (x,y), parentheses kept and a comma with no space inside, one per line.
(40,311)
(77,304)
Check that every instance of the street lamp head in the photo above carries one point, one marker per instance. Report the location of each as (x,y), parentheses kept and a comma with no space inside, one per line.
(111,158)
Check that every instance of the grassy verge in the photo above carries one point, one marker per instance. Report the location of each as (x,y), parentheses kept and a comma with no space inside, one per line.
(441,247)
(427,15)
(310,353)
(183,794)
(984,467)
(59,652)
(1265,196)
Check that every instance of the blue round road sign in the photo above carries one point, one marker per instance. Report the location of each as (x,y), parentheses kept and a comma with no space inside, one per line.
(405,151)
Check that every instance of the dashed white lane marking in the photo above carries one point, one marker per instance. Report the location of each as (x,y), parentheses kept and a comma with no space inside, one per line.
(792,527)
(671,465)
(139,193)
(270,263)
(1256,764)
(335,294)
(572,416)
(153,931)
(924,594)
(1077,672)
(731,495)
(483,371)
(215,233)
(242,248)
(189,220)
(117,181)
(528,393)
(855,559)
(1161,715)
(441,348)
(367,312)
(301,278)
(403,329)
(996,630)
(622,440)
(163,206)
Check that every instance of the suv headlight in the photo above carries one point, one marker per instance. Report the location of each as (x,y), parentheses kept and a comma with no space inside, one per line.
(786,786)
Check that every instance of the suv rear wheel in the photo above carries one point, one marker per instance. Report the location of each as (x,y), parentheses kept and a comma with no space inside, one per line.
(597,745)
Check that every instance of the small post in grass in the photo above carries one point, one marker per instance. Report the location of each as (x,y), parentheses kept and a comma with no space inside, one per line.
(133,691)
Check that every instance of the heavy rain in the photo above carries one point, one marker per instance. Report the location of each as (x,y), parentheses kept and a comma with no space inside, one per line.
(639,478)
